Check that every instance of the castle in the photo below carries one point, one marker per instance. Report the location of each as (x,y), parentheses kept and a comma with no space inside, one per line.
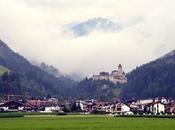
(116,76)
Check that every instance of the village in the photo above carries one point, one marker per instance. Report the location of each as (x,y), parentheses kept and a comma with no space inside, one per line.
(158,106)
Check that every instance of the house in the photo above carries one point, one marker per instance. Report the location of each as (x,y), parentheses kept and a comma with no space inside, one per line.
(138,109)
(14,106)
(110,108)
(51,109)
(42,104)
(101,107)
(156,108)
(81,106)
(86,105)
(172,108)
(121,109)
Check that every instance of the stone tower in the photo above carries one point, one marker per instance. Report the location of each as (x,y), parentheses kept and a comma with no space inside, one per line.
(120,68)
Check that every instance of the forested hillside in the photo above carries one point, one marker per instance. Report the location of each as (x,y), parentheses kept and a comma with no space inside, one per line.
(91,89)
(29,80)
(155,79)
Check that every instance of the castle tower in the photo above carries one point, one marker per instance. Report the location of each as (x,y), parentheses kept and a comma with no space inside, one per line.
(120,68)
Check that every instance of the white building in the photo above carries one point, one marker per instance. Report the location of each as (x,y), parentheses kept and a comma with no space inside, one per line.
(156,108)
(121,108)
(51,109)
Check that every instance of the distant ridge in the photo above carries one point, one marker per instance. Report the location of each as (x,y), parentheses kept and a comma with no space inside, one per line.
(154,79)
(27,79)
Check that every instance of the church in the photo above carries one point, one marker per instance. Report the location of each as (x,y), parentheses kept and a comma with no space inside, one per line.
(116,76)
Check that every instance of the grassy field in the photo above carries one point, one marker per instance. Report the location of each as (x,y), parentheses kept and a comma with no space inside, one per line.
(85,123)
(3,70)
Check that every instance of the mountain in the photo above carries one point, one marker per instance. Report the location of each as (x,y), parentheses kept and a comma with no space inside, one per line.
(155,79)
(55,72)
(29,80)
(19,77)
(102,24)
(50,70)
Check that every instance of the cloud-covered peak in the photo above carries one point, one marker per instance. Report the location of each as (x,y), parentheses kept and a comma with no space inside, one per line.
(43,32)
(100,24)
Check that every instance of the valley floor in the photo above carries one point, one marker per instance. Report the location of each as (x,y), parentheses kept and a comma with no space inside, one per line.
(89,122)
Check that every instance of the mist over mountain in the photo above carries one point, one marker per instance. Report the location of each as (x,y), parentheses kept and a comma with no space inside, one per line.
(59,33)
(75,76)
(51,70)
(29,80)
(19,76)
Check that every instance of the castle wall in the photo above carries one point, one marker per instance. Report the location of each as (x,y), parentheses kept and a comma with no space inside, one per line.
(115,76)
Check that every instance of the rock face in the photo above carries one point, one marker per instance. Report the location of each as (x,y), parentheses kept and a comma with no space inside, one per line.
(116,76)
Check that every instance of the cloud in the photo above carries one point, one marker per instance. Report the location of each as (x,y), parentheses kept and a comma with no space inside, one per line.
(36,29)
(101,24)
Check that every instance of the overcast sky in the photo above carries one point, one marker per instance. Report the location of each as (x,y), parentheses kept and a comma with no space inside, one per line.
(40,31)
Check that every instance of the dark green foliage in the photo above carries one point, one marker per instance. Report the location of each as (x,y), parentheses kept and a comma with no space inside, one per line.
(91,89)
(29,80)
(22,114)
(11,115)
(155,79)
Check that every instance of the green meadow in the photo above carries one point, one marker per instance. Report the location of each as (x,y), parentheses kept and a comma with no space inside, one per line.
(3,70)
(77,122)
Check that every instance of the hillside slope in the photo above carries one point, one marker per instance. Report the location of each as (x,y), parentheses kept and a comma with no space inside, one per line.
(155,79)
(27,79)
(100,89)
